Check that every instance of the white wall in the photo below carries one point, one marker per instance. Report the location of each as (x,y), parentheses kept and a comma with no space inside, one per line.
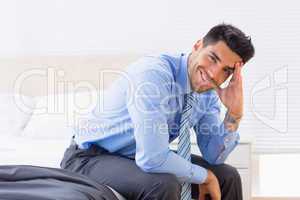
(93,26)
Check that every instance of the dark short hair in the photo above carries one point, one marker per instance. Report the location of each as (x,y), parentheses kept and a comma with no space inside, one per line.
(234,38)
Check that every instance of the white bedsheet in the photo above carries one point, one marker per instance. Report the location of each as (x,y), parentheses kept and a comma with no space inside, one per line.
(30,151)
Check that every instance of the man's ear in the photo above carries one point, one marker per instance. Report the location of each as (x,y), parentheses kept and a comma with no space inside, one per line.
(198,45)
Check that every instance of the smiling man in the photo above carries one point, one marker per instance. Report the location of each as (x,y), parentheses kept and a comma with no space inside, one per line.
(124,143)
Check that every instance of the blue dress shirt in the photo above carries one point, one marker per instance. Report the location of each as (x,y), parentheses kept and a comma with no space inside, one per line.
(139,115)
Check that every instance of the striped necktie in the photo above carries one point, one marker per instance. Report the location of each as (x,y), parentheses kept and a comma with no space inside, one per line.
(184,143)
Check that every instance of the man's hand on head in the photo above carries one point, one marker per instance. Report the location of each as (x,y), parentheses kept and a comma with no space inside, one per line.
(232,98)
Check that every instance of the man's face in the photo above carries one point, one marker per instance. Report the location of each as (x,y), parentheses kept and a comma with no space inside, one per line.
(211,65)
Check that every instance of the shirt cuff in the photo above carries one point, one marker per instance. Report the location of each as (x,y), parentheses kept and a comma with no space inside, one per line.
(231,138)
(230,142)
(198,174)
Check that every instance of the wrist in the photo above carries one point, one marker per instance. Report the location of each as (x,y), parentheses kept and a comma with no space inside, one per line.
(234,116)
(209,177)
(232,121)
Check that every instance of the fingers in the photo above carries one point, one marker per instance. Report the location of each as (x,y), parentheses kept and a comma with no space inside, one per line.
(237,71)
(202,193)
(201,196)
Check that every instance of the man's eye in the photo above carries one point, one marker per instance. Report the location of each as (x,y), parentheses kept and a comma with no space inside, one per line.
(212,59)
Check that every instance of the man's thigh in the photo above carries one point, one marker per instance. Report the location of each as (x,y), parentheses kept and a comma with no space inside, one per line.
(118,172)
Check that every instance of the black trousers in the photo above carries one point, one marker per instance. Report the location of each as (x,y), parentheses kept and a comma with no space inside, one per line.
(122,174)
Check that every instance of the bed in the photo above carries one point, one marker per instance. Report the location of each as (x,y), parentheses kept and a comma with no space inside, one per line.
(33,142)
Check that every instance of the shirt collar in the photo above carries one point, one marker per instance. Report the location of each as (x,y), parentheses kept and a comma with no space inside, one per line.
(183,78)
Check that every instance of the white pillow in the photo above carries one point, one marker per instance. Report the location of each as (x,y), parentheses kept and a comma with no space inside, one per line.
(55,115)
(15,112)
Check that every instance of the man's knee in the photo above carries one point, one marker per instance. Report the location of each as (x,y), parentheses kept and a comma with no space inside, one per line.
(168,186)
(227,174)
(170,182)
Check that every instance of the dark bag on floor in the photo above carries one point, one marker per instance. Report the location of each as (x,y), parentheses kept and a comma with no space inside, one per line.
(22,182)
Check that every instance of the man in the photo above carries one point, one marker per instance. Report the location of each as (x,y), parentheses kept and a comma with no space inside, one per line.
(125,141)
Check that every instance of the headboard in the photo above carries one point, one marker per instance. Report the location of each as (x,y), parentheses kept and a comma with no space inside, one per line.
(42,75)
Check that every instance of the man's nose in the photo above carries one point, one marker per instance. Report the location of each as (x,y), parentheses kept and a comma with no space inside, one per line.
(213,75)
